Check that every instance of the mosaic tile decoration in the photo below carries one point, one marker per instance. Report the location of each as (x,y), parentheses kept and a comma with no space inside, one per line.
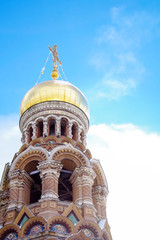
(58,228)
(35,229)
(88,232)
(11,236)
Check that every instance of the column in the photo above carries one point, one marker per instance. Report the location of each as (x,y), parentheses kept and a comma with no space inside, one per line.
(57,128)
(78,130)
(49,173)
(24,188)
(82,180)
(70,130)
(26,136)
(34,136)
(99,199)
(13,188)
(45,128)
(84,140)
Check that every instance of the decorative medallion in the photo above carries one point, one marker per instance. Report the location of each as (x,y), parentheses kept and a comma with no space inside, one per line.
(88,232)
(37,144)
(51,142)
(11,236)
(58,228)
(35,229)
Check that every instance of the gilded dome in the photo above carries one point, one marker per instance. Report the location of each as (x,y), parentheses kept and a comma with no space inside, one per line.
(54,90)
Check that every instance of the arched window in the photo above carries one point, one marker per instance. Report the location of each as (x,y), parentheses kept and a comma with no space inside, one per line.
(40,129)
(30,134)
(64,184)
(74,132)
(35,192)
(51,127)
(63,127)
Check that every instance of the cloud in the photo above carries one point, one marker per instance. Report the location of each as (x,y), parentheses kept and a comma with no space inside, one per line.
(131,160)
(119,46)
(10,139)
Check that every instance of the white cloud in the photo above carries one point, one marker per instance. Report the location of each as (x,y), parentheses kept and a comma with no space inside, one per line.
(131,160)
(10,139)
(118,49)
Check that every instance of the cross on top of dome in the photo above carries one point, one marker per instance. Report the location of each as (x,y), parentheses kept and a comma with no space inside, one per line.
(55,59)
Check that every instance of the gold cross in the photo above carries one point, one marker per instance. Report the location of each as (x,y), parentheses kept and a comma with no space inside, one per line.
(55,56)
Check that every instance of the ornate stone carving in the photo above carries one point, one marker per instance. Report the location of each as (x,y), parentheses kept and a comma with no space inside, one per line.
(82,180)
(49,173)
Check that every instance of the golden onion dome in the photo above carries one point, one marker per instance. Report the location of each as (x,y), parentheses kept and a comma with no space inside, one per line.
(54,90)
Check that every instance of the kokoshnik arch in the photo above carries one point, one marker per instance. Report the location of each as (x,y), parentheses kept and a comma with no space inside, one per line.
(53,188)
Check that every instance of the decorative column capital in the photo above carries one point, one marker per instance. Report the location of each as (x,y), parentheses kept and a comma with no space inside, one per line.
(49,166)
(83,175)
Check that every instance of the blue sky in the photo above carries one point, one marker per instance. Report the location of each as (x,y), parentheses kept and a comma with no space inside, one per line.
(110,50)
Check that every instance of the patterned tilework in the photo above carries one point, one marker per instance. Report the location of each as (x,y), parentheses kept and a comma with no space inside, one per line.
(11,236)
(88,232)
(35,229)
(58,228)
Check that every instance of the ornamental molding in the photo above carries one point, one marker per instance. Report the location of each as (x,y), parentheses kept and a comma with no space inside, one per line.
(49,167)
(90,225)
(34,220)
(101,178)
(61,220)
(54,108)
(30,151)
(83,175)
(100,192)
(70,150)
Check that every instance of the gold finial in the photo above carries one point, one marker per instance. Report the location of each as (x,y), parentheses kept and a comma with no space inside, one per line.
(55,59)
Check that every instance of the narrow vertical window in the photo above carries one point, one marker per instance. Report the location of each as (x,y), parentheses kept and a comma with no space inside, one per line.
(40,129)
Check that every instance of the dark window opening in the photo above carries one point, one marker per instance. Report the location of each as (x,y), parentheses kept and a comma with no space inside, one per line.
(64,186)
(30,134)
(40,129)
(63,128)
(36,187)
(52,127)
(74,132)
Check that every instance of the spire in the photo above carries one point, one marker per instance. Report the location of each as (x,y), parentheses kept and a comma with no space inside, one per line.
(55,59)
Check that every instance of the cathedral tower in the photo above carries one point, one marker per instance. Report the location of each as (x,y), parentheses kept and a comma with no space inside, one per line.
(53,188)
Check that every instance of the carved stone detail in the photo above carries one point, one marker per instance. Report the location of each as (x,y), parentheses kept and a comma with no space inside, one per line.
(49,173)
(82,180)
